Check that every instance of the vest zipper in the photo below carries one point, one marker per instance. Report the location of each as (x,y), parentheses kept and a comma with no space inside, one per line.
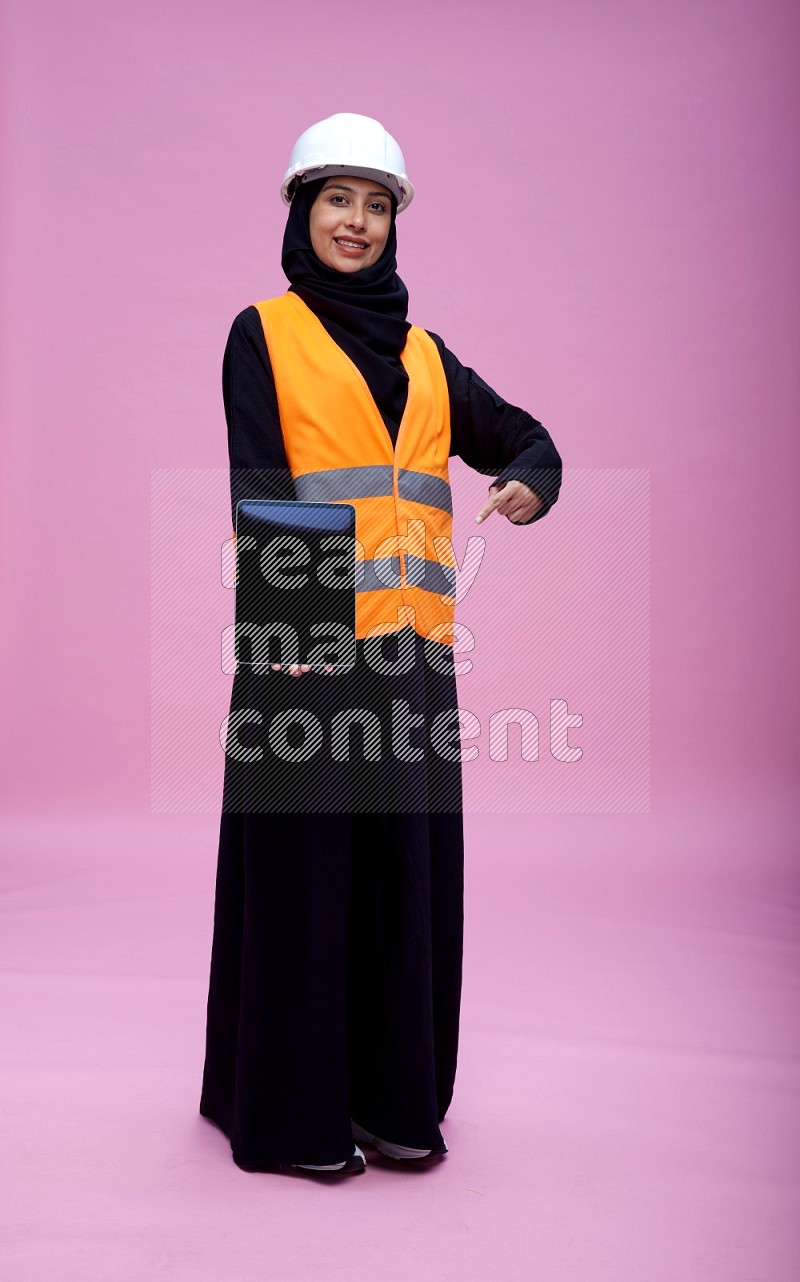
(401,555)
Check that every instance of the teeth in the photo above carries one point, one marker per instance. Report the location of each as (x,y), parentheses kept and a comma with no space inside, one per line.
(352,244)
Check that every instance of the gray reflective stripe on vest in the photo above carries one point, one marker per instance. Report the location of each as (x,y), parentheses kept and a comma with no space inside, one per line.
(430,576)
(422,487)
(373,576)
(373,481)
(344,483)
(384,572)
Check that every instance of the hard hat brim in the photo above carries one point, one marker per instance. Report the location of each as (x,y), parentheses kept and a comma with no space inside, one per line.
(398,184)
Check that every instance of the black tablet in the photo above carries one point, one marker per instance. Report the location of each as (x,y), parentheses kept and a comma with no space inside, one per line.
(295,584)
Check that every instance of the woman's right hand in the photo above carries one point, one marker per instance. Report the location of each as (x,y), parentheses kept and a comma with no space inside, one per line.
(297,669)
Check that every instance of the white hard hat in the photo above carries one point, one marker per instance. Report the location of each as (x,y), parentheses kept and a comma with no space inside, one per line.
(348,144)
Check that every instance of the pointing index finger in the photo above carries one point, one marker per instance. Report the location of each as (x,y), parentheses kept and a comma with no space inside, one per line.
(490,505)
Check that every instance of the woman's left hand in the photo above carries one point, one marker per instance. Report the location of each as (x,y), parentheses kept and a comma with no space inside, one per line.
(513,499)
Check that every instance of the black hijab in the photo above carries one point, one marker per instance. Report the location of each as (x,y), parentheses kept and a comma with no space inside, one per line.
(364,311)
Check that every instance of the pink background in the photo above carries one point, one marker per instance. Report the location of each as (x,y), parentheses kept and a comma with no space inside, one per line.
(606,229)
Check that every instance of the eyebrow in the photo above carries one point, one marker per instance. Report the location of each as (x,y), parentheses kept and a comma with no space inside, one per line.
(352,190)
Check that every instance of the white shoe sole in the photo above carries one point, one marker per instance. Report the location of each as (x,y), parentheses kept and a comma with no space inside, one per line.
(386,1147)
(333,1166)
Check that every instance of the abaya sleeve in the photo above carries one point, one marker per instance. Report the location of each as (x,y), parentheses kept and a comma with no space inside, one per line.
(496,438)
(491,435)
(258,464)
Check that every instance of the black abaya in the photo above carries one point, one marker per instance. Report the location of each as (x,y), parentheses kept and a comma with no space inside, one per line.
(336,963)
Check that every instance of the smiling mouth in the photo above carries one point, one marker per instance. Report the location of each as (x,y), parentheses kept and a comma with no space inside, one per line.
(350,244)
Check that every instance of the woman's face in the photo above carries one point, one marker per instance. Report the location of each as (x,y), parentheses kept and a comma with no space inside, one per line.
(349,222)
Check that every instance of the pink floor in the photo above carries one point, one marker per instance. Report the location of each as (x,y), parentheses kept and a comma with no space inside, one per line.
(627,1097)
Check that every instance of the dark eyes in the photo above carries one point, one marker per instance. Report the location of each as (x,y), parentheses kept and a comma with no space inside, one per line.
(377,205)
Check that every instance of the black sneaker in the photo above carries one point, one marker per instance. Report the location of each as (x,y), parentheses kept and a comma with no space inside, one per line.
(351,1166)
(400,1152)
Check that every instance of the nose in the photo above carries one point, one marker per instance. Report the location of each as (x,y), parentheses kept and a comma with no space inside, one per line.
(357,217)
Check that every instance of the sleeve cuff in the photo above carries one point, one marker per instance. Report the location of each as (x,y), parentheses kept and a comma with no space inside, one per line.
(544,481)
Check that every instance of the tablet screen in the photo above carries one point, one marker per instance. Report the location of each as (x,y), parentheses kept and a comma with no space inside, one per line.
(295,583)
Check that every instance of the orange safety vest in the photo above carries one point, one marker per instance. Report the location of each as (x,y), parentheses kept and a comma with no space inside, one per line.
(339,451)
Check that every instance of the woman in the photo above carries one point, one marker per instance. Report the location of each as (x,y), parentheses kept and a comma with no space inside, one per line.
(335,979)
